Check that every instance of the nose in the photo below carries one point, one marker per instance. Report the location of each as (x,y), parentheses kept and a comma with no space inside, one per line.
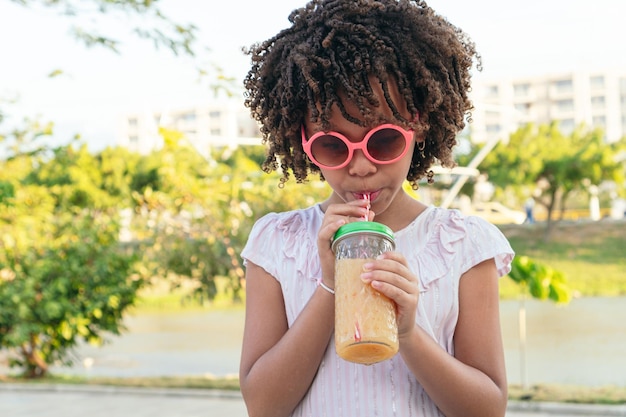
(360,165)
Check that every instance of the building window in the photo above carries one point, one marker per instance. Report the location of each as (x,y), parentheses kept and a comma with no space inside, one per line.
(598,102)
(215,114)
(134,139)
(563,86)
(493,128)
(522,108)
(215,132)
(565,105)
(567,126)
(597,82)
(492,114)
(521,90)
(132,121)
(599,121)
(492,91)
(187,117)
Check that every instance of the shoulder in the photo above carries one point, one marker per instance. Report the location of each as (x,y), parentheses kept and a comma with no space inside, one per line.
(281,231)
(481,241)
(457,239)
(470,228)
(282,243)
(286,222)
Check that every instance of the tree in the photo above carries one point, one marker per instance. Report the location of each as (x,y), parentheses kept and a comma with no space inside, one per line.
(63,276)
(193,215)
(552,164)
(156,26)
(74,283)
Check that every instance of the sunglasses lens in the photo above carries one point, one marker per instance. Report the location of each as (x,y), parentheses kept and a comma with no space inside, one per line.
(329,150)
(386,144)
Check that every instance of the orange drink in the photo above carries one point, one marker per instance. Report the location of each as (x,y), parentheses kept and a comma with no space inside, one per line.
(365,320)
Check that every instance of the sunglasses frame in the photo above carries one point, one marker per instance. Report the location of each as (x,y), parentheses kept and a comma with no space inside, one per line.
(352,146)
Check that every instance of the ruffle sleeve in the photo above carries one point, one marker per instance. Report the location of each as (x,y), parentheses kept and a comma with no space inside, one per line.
(446,242)
(282,243)
(486,241)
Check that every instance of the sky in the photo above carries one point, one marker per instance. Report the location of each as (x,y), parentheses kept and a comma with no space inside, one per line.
(99,87)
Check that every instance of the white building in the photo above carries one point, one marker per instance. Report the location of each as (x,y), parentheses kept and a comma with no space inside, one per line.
(502,105)
(595,99)
(223,123)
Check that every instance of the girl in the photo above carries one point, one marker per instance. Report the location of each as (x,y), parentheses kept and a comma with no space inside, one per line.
(368,94)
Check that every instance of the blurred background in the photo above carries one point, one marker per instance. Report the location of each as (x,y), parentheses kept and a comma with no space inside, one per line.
(130,179)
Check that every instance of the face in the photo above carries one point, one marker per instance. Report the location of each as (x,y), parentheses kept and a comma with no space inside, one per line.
(357,160)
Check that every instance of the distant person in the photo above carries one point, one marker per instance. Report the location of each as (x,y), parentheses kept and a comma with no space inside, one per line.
(529,207)
(368,94)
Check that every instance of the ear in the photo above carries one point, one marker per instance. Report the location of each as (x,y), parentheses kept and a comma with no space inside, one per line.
(420,140)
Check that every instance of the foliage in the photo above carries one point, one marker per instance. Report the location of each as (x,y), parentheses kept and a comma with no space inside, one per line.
(154,26)
(81,233)
(145,20)
(62,278)
(193,217)
(542,161)
(540,280)
(64,274)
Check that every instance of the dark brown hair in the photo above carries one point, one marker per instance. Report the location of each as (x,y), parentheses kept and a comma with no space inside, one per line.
(331,49)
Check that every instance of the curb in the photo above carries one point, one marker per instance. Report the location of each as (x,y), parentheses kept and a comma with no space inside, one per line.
(111,389)
(549,408)
(569,409)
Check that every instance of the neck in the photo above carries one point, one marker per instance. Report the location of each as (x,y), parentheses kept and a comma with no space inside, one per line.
(403,210)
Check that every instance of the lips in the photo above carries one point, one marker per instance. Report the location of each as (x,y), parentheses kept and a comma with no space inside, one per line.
(361,195)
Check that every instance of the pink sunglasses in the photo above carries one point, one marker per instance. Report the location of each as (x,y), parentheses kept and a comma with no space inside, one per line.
(384,144)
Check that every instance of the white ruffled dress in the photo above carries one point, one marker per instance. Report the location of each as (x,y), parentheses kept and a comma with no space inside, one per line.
(440,245)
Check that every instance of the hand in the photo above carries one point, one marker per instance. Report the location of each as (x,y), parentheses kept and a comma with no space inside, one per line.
(337,215)
(389,274)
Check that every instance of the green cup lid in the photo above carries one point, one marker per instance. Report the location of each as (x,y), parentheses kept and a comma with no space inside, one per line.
(363,227)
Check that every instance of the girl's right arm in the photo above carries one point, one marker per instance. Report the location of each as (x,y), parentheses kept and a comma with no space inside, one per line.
(278,363)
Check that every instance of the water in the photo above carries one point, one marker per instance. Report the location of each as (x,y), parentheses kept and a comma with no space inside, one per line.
(181,344)
(582,343)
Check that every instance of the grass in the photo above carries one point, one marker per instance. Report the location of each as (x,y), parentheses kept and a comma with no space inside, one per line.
(592,255)
(606,395)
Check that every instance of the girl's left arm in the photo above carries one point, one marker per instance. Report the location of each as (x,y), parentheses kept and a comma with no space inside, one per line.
(473,381)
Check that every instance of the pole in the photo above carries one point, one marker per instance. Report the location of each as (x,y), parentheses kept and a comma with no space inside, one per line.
(478,158)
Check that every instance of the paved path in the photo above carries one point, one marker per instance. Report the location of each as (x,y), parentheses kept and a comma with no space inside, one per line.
(17,400)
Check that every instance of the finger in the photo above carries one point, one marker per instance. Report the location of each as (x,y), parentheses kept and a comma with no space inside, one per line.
(391,272)
(328,230)
(357,209)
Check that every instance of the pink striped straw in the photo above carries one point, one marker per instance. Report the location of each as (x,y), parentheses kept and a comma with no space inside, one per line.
(366,216)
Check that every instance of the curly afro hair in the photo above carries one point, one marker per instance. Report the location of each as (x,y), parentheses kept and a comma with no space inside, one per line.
(332,49)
